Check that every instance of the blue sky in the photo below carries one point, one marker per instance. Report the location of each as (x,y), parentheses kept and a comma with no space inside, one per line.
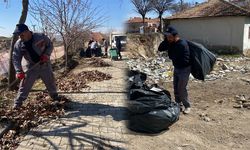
(116,11)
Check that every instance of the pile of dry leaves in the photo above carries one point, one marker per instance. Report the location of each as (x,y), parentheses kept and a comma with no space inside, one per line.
(76,82)
(97,62)
(6,97)
(36,111)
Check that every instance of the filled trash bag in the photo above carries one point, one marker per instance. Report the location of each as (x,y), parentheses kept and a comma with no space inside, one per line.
(202,60)
(88,52)
(82,52)
(151,108)
(163,46)
(98,52)
(154,121)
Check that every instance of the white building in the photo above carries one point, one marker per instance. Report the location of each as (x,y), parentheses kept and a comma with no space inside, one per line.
(220,25)
(135,25)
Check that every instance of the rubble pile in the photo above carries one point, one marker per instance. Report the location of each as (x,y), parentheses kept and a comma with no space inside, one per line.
(160,68)
(242,101)
(227,65)
(30,115)
(157,68)
(76,82)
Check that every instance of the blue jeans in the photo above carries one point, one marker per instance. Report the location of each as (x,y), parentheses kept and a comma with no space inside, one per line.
(181,77)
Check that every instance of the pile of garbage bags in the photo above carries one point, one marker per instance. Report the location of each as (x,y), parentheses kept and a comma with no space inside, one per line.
(151,108)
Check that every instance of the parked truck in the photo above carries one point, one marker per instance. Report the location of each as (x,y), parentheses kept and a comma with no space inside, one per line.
(114,36)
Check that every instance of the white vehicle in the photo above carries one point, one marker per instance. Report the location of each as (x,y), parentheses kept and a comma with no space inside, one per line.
(114,36)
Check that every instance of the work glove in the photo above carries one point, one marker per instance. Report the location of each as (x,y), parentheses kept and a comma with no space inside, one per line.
(44,58)
(20,75)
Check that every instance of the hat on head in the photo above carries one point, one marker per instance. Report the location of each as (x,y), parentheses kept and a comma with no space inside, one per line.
(170,30)
(20,28)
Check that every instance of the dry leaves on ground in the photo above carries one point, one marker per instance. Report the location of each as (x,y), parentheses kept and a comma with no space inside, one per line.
(97,62)
(76,82)
(30,115)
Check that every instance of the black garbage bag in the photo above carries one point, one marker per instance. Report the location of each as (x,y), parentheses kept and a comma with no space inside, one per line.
(143,100)
(202,60)
(98,52)
(82,52)
(151,108)
(163,46)
(88,52)
(155,121)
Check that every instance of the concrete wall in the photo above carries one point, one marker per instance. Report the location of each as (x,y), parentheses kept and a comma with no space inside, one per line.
(246,42)
(219,34)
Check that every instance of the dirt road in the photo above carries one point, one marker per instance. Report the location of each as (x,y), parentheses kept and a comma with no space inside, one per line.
(214,122)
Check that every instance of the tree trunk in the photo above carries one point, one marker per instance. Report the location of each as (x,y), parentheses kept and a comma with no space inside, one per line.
(65,55)
(143,22)
(160,17)
(22,19)
(182,5)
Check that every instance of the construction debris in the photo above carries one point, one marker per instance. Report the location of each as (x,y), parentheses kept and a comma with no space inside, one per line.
(160,68)
(242,101)
(156,68)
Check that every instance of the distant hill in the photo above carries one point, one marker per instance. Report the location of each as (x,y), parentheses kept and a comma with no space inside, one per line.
(4,43)
(4,38)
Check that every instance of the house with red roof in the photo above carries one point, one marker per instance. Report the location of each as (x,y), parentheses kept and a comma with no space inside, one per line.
(220,25)
(133,25)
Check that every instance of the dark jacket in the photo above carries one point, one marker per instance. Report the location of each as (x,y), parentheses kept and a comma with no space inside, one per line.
(118,44)
(178,52)
(40,44)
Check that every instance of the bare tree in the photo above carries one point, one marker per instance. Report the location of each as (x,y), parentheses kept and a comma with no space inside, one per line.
(68,18)
(180,6)
(22,19)
(142,7)
(160,7)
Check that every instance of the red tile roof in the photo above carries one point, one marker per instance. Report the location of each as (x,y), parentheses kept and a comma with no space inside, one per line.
(97,36)
(212,8)
(139,20)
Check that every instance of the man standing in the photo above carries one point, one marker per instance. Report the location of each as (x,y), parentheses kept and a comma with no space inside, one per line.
(93,46)
(118,46)
(178,52)
(36,48)
(105,45)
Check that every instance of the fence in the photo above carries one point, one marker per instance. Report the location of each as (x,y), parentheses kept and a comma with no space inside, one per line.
(4,58)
